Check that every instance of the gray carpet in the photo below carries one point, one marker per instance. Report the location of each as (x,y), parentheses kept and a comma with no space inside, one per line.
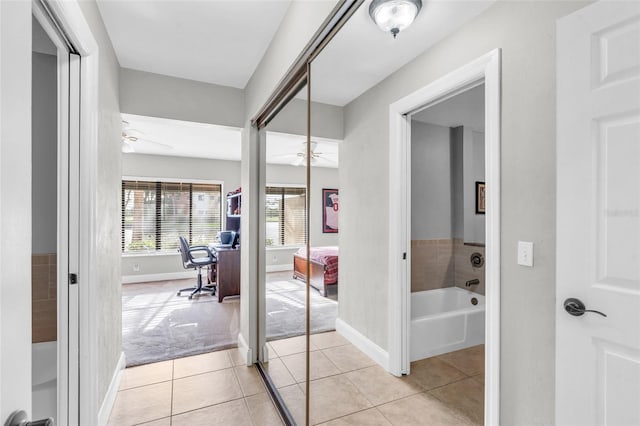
(157,325)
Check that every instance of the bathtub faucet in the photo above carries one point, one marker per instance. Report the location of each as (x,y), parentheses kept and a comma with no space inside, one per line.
(474,281)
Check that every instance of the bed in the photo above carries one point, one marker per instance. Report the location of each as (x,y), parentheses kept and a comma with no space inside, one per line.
(323,265)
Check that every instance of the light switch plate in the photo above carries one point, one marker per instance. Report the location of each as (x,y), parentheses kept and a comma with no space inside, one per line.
(525,253)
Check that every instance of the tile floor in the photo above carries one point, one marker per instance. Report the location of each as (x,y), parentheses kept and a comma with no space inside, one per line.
(347,388)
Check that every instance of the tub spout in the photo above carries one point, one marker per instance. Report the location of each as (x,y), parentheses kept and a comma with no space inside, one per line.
(474,281)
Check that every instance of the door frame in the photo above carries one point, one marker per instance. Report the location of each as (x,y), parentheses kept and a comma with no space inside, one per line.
(83,350)
(487,69)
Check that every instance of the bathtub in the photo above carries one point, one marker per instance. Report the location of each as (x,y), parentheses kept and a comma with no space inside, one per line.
(44,380)
(445,320)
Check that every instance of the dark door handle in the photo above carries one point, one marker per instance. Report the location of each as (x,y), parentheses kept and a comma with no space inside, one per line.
(19,418)
(576,308)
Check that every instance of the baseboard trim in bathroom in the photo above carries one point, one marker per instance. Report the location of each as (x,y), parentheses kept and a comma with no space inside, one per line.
(112,392)
(361,342)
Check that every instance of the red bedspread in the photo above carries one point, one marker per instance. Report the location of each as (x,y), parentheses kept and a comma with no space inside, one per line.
(328,256)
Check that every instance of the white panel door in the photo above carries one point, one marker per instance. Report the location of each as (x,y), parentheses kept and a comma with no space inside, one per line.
(598,215)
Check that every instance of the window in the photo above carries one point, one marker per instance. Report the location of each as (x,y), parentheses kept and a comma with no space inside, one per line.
(286,212)
(155,214)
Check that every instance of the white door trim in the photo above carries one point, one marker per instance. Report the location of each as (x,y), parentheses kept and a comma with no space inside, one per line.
(73,22)
(487,68)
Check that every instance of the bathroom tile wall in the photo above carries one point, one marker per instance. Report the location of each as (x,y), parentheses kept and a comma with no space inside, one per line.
(432,264)
(43,297)
(463,271)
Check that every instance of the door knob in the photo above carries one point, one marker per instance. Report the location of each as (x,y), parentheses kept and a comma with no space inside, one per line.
(576,308)
(19,418)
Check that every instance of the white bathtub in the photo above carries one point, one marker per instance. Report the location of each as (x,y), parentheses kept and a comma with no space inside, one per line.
(44,380)
(445,320)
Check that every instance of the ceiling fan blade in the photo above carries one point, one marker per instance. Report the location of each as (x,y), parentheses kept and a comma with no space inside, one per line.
(298,161)
(126,147)
(164,145)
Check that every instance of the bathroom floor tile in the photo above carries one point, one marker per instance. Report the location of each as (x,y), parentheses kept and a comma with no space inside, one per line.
(370,417)
(236,357)
(197,364)
(141,404)
(470,360)
(262,411)
(348,358)
(146,374)
(431,373)
(250,381)
(335,397)
(290,346)
(320,366)
(202,390)
(162,422)
(465,396)
(421,409)
(479,378)
(380,387)
(228,413)
(295,401)
(279,373)
(328,339)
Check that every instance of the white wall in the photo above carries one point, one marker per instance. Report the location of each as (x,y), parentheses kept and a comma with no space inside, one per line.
(525,31)
(106,281)
(44,139)
(431,206)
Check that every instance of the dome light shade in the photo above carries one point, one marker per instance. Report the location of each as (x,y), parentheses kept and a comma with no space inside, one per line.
(394,15)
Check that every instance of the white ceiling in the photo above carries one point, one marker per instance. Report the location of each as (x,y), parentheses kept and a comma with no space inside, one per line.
(361,55)
(161,136)
(219,42)
(465,109)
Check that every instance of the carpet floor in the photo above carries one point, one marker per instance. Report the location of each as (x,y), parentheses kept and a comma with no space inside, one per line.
(158,325)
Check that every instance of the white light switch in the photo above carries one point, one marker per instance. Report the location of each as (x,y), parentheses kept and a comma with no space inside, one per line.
(525,253)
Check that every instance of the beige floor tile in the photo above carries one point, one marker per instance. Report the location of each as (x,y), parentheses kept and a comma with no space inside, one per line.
(421,409)
(370,417)
(262,411)
(292,345)
(202,390)
(470,361)
(320,366)
(379,386)
(250,381)
(328,340)
(295,401)
(465,396)
(335,397)
(162,422)
(141,404)
(272,352)
(279,374)
(225,414)
(433,372)
(197,364)
(348,358)
(479,378)
(146,374)
(236,357)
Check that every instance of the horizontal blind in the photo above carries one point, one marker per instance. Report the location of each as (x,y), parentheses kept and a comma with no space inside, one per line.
(155,214)
(285,216)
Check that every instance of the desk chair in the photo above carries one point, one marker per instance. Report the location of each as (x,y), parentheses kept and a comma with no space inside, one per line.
(189,261)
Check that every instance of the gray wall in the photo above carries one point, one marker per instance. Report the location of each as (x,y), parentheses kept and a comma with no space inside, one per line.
(227,172)
(106,281)
(473,171)
(526,33)
(44,154)
(430,182)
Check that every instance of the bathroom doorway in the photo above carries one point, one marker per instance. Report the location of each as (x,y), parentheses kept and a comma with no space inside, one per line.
(438,215)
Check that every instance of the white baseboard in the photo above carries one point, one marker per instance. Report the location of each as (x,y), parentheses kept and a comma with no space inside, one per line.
(143,278)
(245,349)
(279,268)
(358,340)
(112,392)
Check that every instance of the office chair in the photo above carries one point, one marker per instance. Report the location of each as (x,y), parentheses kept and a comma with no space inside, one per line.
(189,261)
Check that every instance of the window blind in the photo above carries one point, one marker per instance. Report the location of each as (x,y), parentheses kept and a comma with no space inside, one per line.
(155,214)
(285,216)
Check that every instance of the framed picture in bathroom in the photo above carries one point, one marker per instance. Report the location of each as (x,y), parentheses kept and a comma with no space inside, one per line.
(330,211)
(480,198)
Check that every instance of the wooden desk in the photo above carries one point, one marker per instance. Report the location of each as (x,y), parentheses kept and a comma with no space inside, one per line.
(228,272)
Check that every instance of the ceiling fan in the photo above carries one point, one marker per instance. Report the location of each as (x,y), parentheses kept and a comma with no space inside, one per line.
(300,157)
(130,136)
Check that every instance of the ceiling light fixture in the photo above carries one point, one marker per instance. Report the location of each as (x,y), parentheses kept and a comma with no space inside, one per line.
(394,15)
